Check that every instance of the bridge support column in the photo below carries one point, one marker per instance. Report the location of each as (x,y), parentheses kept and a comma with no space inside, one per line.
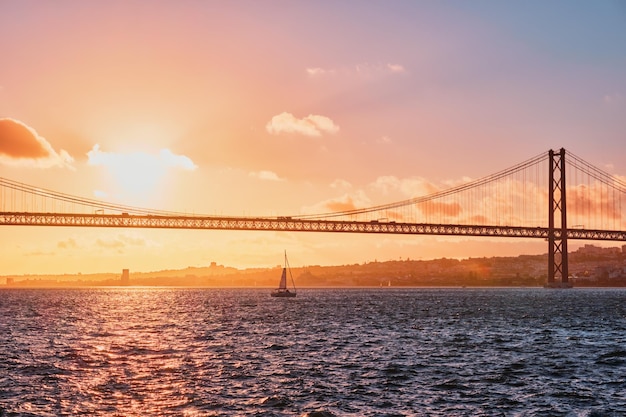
(557,235)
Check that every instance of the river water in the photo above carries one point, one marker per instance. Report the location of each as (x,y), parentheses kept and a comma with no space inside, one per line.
(346,352)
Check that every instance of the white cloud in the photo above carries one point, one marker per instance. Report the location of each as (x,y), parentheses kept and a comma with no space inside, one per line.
(318,72)
(396,68)
(123,240)
(69,243)
(386,183)
(384,140)
(410,187)
(176,161)
(366,70)
(110,243)
(454,183)
(139,160)
(312,125)
(613,98)
(266,176)
(340,184)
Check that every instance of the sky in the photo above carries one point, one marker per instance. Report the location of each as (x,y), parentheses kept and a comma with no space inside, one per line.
(272,108)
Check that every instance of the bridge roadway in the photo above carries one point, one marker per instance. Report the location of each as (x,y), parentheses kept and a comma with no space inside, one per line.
(292,224)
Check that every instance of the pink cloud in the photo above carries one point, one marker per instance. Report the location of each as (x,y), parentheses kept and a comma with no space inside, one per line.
(20,144)
(312,125)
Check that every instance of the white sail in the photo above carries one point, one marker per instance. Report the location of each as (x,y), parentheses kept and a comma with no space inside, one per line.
(282,290)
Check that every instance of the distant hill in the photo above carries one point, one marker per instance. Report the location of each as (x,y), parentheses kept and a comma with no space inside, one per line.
(589,266)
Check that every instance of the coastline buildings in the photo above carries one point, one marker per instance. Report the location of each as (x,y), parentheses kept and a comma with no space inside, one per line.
(125,279)
(589,266)
(592,265)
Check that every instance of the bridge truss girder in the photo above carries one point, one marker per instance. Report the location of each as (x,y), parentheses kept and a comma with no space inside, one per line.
(296,225)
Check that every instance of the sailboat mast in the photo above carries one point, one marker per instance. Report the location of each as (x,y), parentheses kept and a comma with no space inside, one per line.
(289,269)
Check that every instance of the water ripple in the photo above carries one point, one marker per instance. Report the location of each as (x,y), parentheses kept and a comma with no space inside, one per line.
(327,353)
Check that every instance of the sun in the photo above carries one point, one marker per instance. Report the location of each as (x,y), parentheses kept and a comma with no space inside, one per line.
(138,175)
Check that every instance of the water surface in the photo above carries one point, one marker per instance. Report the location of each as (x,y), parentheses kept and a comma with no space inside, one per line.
(349,352)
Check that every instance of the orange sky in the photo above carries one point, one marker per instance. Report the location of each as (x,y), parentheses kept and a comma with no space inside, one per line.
(282,107)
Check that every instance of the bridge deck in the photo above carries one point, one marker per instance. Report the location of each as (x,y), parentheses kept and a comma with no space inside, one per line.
(293,225)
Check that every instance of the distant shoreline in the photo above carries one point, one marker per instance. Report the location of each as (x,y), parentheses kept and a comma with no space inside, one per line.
(589,266)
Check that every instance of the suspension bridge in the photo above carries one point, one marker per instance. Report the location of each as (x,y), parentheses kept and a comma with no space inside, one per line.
(537,198)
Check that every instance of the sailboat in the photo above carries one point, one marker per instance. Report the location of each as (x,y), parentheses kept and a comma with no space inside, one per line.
(282,290)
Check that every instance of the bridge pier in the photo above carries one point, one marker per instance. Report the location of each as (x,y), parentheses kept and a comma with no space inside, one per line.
(557,234)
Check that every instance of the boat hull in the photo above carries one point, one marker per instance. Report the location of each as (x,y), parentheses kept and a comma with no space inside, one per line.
(283,294)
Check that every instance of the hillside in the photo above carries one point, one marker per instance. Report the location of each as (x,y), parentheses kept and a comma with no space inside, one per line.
(589,266)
